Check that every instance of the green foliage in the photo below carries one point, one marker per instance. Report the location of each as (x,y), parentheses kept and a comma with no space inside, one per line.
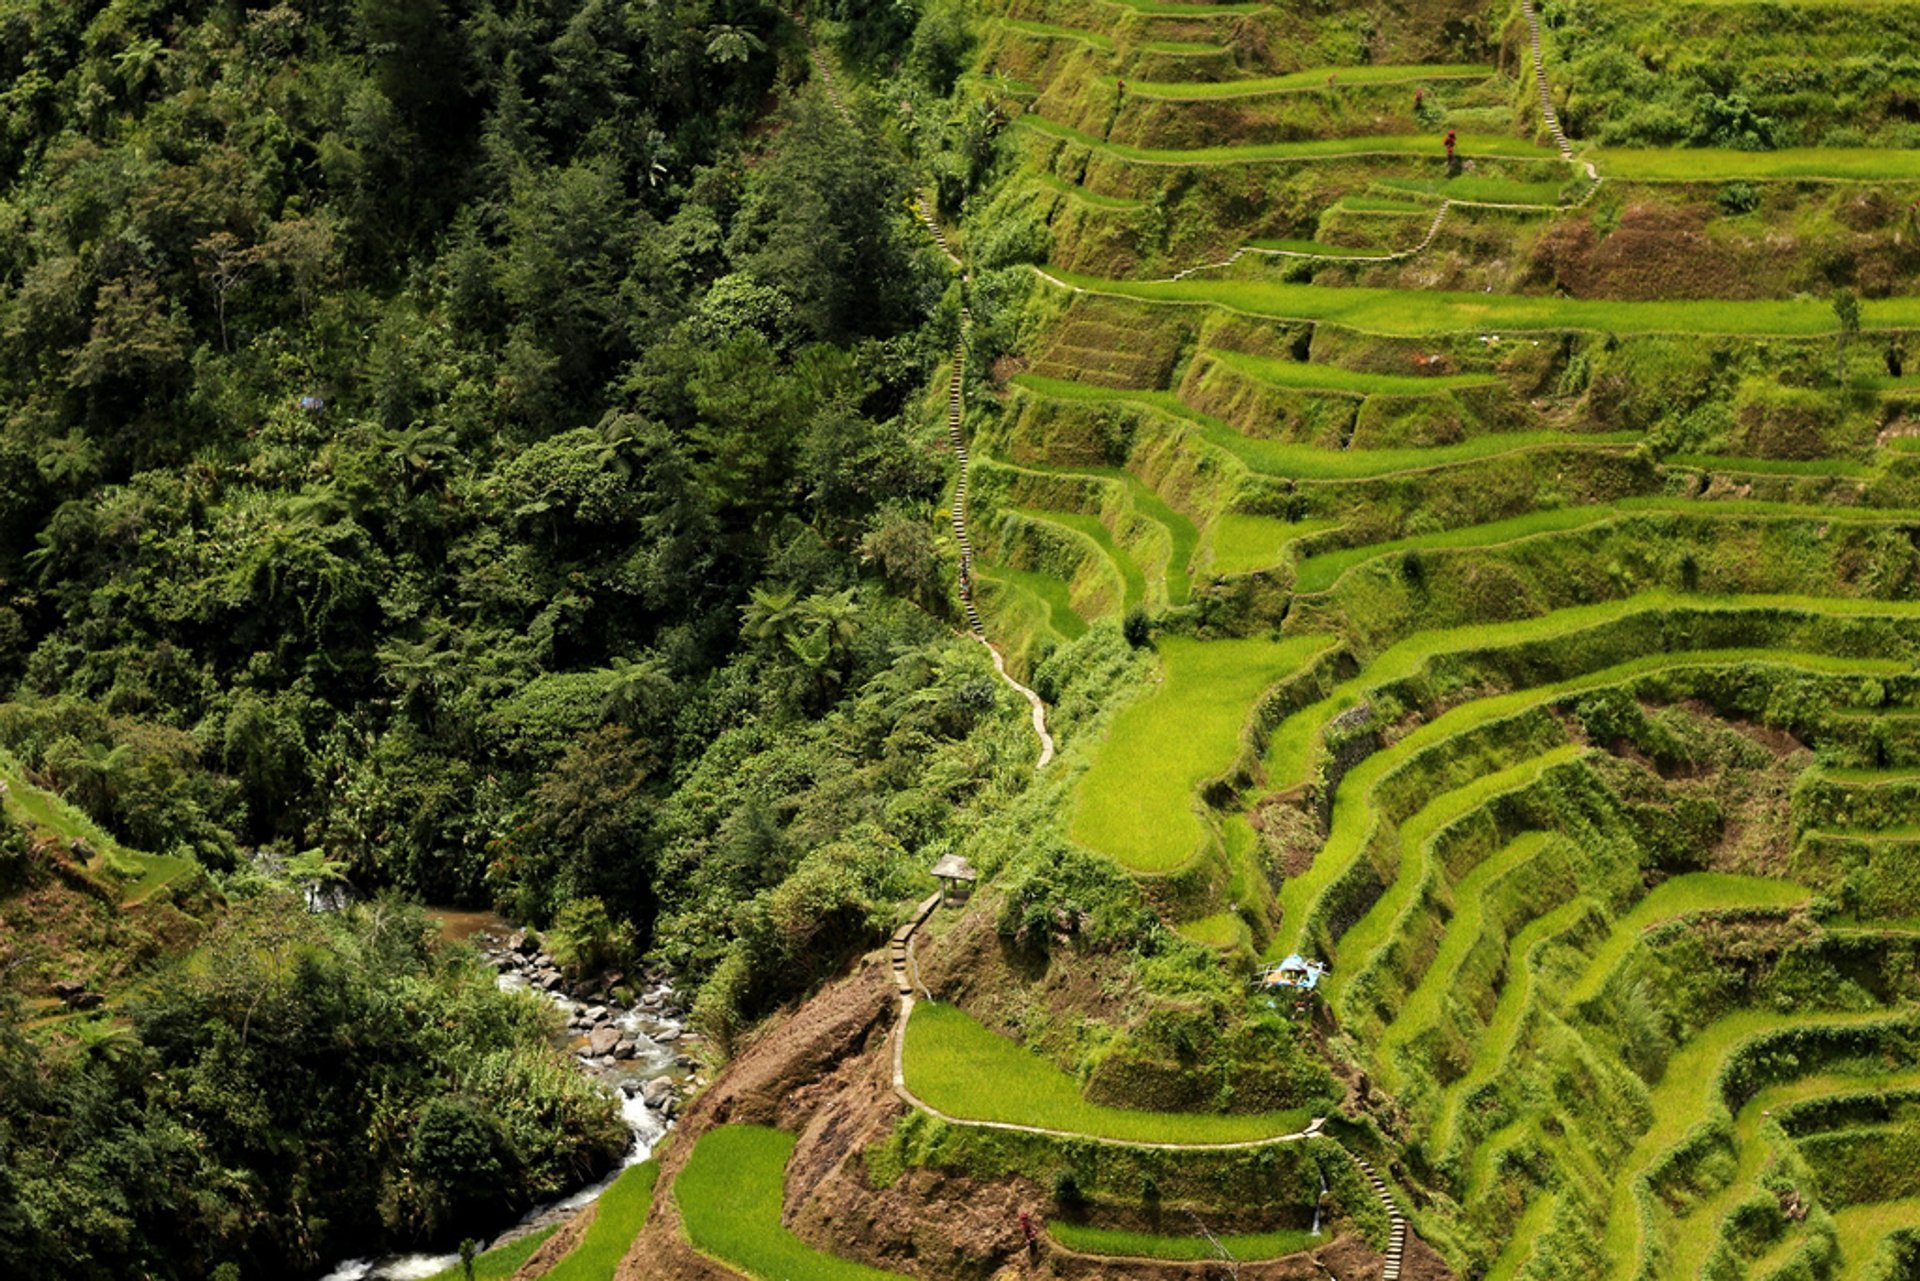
(342,1060)
(585,940)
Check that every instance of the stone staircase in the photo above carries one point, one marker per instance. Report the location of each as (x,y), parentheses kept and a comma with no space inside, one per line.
(1547,112)
(1397,1224)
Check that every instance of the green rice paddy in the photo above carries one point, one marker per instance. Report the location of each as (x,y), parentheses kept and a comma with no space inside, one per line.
(960,1068)
(1315,79)
(1244,1248)
(1137,804)
(1398,312)
(619,1215)
(730,1198)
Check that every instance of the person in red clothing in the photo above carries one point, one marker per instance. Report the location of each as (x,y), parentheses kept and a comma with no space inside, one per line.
(1450,141)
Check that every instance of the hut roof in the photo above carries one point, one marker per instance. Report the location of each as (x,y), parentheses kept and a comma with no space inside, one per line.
(953,867)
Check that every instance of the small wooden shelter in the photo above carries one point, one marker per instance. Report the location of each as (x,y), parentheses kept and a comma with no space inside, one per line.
(954,872)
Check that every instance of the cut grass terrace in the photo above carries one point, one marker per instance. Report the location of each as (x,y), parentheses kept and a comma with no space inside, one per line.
(1356,817)
(1360,946)
(1246,1248)
(1687,1094)
(1350,148)
(1416,313)
(1306,81)
(1136,804)
(618,1217)
(730,1195)
(1311,462)
(958,1067)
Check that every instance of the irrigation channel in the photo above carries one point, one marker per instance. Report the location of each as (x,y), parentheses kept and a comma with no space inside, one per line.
(646,1071)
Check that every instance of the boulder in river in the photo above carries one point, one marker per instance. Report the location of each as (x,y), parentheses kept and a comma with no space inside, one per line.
(603,1040)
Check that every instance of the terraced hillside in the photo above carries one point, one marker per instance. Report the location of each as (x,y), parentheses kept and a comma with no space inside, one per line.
(1494,574)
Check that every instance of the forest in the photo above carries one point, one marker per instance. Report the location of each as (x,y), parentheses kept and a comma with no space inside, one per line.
(469,445)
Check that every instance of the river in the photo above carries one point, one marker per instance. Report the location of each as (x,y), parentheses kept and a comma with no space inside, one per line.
(654,1057)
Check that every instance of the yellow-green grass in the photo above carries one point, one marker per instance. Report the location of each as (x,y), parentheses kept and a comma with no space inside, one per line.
(1294,743)
(1243,1248)
(1310,462)
(1181,9)
(51,817)
(1862,1229)
(1361,944)
(1526,1235)
(1226,931)
(1182,534)
(1093,198)
(1351,148)
(1048,31)
(1423,1006)
(501,1262)
(1417,313)
(958,1067)
(1243,544)
(1791,164)
(1700,1229)
(1315,249)
(617,1220)
(1133,580)
(1685,895)
(1478,191)
(1047,594)
(1355,817)
(1686,1095)
(1769,466)
(1298,81)
(730,1197)
(1381,205)
(1299,375)
(1136,804)
(1322,572)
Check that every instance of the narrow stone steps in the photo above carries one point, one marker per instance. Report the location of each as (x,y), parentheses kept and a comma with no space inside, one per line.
(1547,113)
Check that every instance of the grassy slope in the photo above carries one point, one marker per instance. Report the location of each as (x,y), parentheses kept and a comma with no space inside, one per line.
(729,1195)
(1360,944)
(966,1071)
(1309,462)
(1307,81)
(1686,1094)
(501,1262)
(1247,1248)
(50,817)
(1424,1004)
(1136,804)
(622,1213)
(1414,314)
(1354,818)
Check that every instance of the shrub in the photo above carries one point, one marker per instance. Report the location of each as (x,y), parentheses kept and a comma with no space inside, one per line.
(584,939)
(1136,627)
(1738,198)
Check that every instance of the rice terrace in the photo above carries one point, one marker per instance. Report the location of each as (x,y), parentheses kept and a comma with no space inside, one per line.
(1467,448)
(1408,764)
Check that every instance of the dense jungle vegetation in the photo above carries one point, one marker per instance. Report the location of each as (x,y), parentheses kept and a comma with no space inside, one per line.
(471,445)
